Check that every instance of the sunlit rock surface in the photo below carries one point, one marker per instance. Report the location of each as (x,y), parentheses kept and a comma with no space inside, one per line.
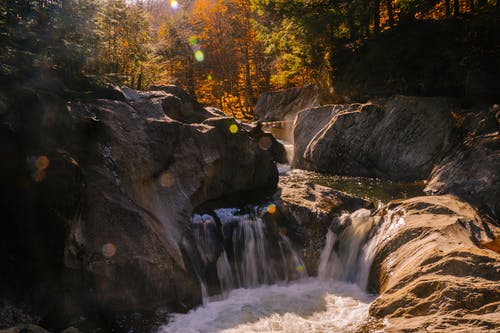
(102,190)
(399,138)
(431,271)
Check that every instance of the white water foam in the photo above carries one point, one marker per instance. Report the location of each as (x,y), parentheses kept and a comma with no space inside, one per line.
(322,304)
(307,305)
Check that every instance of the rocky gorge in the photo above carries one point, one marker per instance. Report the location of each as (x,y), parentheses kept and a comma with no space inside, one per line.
(122,196)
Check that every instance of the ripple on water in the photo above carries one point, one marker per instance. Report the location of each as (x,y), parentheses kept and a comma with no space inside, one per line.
(303,306)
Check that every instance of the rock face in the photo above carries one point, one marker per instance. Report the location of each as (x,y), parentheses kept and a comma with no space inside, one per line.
(431,271)
(400,138)
(285,104)
(103,191)
(470,171)
(308,211)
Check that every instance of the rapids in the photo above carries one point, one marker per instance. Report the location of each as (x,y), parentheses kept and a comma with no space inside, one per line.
(307,305)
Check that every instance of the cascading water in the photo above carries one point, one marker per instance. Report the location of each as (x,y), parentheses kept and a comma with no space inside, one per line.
(333,302)
(245,253)
(352,242)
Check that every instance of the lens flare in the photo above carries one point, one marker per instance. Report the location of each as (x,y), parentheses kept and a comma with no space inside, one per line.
(233,128)
(192,40)
(108,250)
(265,142)
(199,56)
(209,77)
(174,4)
(271,209)
(42,162)
(166,179)
(298,267)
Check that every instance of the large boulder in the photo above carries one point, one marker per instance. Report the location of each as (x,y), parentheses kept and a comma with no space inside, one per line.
(284,105)
(307,210)
(400,138)
(431,270)
(102,192)
(471,169)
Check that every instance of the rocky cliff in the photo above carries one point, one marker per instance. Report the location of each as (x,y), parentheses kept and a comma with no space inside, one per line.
(97,193)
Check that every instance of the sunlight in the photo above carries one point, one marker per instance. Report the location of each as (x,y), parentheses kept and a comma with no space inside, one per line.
(174,4)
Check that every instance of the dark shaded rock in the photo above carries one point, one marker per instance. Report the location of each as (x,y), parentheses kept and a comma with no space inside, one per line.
(401,138)
(285,104)
(28,328)
(430,266)
(471,172)
(102,192)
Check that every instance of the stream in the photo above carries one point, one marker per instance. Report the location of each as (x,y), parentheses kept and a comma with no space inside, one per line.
(262,291)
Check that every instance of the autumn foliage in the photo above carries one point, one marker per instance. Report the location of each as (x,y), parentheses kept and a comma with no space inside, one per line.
(226,52)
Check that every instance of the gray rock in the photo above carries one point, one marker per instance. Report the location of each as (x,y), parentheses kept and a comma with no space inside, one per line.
(108,205)
(471,172)
(400,138)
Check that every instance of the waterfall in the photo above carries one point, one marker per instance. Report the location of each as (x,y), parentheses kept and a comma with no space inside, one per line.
(224,273)
(352,242)
(243,250)
(284,168)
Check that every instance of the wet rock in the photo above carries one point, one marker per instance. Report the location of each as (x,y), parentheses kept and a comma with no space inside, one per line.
(285,104)
(400,138)
(431,272)
(307,210)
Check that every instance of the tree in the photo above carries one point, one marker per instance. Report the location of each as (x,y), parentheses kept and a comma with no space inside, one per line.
(51,34)
(123,47)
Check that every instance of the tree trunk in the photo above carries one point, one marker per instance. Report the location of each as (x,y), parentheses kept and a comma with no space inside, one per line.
(447,8)
(139,81)
(471,5)
(390,12)
(248,79)
(376,16)
(456,7)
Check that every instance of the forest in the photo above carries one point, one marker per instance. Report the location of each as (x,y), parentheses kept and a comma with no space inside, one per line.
(217,166)
(225,52)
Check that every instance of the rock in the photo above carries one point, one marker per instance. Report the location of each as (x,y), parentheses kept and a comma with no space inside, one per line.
(179,105)
(431,272)
(105,198)
(285,104)
(307,211)
(471,172)
(307,125)
(400,138)
(28,328)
